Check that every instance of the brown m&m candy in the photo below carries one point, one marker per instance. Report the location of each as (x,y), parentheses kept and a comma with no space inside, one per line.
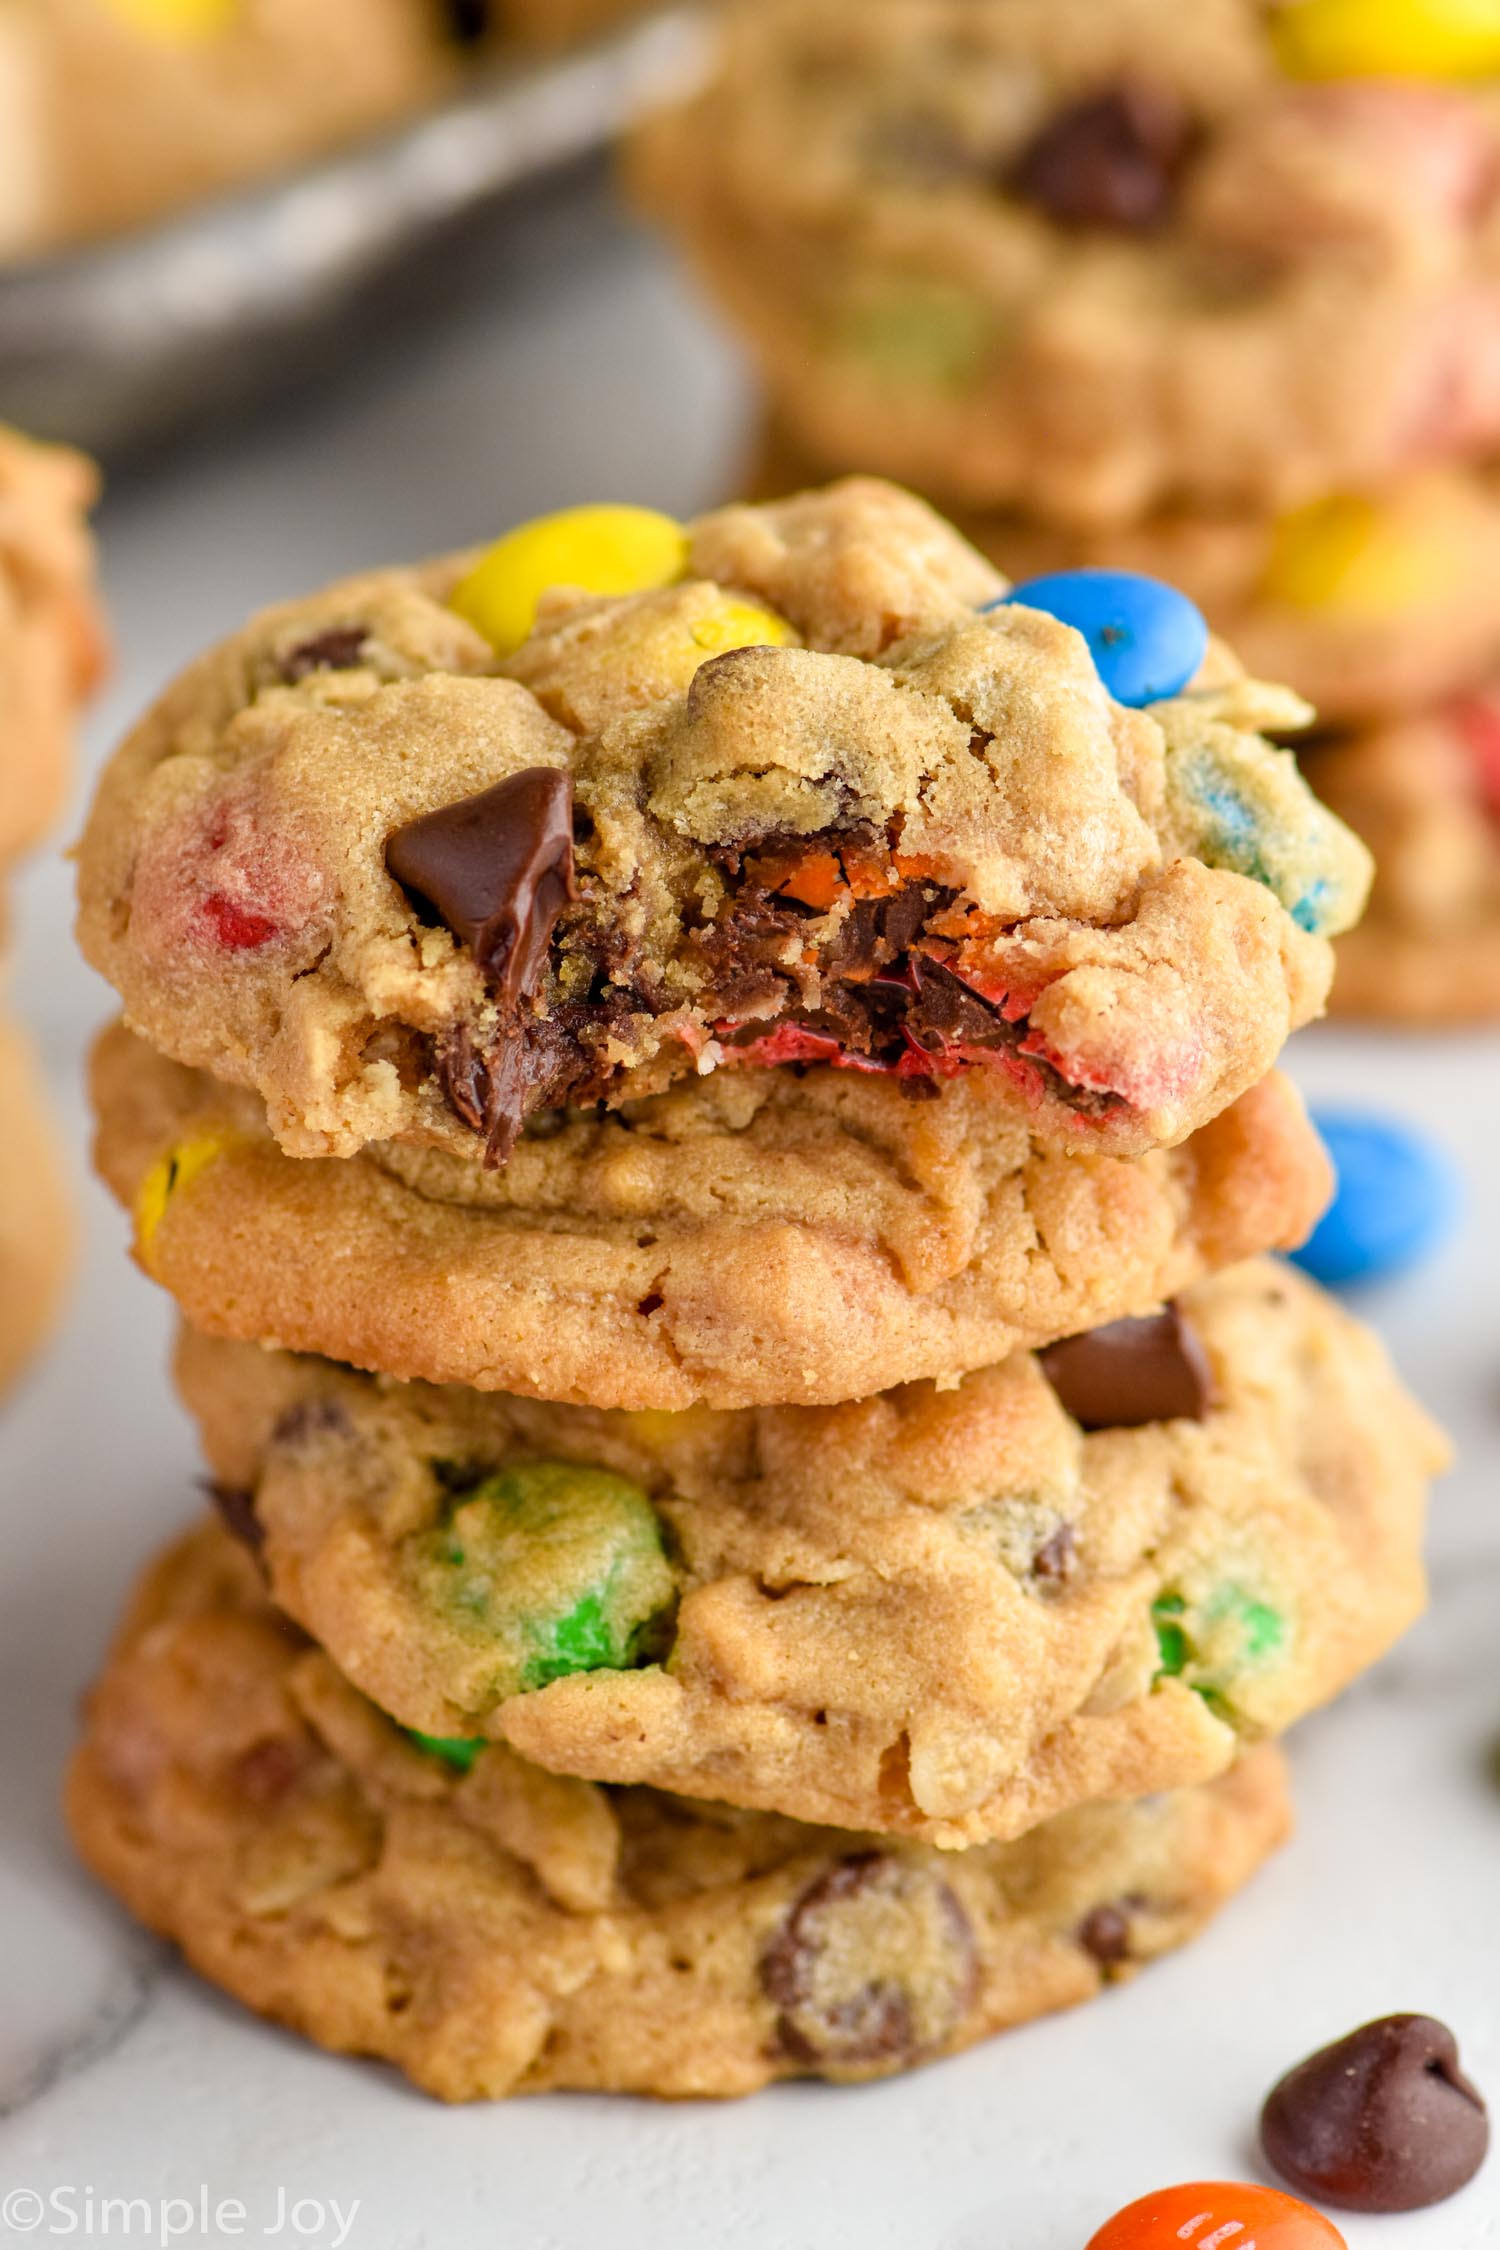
(1381,2121)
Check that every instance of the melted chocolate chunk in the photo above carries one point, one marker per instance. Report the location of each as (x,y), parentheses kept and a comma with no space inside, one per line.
(237,1511)
(1132,1372)
(1381,2121)
(498,870)
(337,650)
(873,1967)
(1111,161)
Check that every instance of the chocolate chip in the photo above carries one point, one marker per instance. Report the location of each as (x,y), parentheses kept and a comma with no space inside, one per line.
(271,1770)
(1111,161)
(874,1967)
(498,870)
(237,1513)
(1131,1372)
(308,1420)
(469,21)
(1381,2121)
(1105,1936)
(337,650)
(1057,1558)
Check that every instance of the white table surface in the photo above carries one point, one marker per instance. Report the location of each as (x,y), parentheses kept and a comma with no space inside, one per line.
(122,2076)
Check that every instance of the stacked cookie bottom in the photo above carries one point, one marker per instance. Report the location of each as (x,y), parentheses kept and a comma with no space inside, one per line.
(684,1746)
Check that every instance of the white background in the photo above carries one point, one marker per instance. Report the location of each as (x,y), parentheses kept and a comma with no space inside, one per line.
(595,379)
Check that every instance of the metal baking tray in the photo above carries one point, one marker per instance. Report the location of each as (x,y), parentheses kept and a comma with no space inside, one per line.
(126,345)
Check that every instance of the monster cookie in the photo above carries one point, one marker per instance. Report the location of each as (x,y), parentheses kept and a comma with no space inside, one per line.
(36,1224)
(1368,606)
(756,1238)
(1425,794)
(497,1931)
(51,636)
(116,111)
(953,1614)
(420,860)
(1095,259)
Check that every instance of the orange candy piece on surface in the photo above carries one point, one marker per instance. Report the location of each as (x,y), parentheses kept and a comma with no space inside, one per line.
(1218,2215)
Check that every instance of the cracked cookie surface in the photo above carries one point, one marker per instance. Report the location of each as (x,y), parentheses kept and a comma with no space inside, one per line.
(809,798)
(1371,607)
(1088,1575)
(755,1238)
(1093,261)
(506,1932)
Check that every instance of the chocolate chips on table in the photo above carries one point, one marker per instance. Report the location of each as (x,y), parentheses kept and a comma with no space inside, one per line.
(1111,161)
(1381,2121)
(1131,1372)
(873,1968)
(498,870)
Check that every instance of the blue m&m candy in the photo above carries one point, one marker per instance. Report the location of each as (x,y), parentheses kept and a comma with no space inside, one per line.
(1397,1200)
(1147,640)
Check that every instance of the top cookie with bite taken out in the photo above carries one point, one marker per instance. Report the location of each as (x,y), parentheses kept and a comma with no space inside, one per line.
(443,852)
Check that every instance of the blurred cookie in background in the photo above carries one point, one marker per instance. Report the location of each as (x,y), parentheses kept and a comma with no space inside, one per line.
(36,1219)
(52,642)
(1094,259)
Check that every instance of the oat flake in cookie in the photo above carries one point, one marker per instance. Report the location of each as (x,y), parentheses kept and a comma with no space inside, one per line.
(950,1614)
(441,854)
(502,1931)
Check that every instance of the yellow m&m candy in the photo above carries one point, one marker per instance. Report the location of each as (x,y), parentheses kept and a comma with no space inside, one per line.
(595,550)
(1368,559)
(166,1178)
(1388,38)
(178,19)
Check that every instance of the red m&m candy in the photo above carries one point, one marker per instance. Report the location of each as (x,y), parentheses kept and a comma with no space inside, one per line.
(1218,2215)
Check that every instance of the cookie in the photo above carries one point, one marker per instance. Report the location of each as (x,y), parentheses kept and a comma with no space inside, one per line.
(814,793)
(1425,794)
(758,1238)
(1087,1575)
(36,1218)
(118,112)
(505,1932)
(1094,260)
(1370,607)
(51,633)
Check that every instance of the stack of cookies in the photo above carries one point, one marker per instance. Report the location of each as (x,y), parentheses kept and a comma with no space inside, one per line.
(707,1094)
(1210,292)
(51,654)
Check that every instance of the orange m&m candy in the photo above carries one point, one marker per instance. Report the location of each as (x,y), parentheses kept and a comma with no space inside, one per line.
(1218,2215)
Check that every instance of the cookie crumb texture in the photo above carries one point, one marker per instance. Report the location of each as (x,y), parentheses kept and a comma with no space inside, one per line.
(52,646)
(951,1614)
(1094,261)
(756,1238)
(36,1217)
(809,798)
(503,1931)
